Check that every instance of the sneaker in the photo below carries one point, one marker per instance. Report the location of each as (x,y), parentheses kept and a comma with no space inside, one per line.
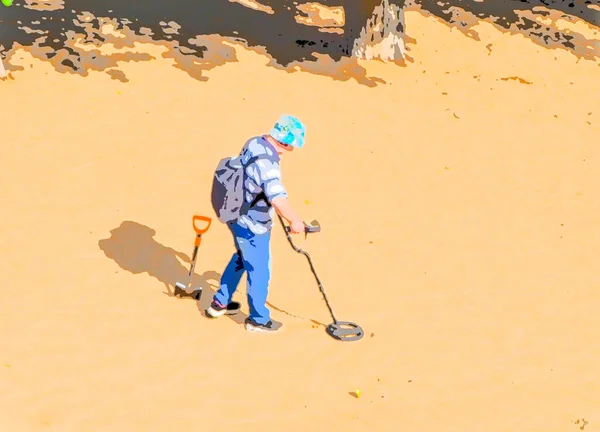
(216,309)
(270,327)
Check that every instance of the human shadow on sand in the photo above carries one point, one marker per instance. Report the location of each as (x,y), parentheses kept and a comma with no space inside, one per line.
(133,247)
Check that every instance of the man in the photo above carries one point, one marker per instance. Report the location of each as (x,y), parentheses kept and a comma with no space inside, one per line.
(252,231)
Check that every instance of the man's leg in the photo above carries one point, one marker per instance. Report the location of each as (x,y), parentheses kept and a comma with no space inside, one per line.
(229,280)
(257,261)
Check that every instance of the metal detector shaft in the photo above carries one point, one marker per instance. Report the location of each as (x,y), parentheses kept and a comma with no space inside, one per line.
(307,230)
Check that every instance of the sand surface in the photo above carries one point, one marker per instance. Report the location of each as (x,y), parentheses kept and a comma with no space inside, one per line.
(460,215)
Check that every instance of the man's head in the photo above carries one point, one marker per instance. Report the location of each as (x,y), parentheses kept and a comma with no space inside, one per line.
(287,134)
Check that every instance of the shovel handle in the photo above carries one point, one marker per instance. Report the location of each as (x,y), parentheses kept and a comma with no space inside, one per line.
(205,219)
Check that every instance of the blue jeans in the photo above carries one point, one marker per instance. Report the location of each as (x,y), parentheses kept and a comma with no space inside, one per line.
(252,255)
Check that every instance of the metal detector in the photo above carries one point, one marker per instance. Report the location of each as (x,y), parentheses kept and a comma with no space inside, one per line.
(340,330)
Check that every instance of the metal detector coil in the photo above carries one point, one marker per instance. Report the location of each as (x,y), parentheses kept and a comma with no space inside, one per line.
(340,330)
(345,331)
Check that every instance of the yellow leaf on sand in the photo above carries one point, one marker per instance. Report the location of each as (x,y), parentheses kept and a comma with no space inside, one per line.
(306,202)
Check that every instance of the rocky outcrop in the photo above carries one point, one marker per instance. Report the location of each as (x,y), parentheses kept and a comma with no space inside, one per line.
(382,37)
(289,31)
(554,24)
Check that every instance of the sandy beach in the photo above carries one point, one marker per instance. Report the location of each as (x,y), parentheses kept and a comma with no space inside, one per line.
(459,201)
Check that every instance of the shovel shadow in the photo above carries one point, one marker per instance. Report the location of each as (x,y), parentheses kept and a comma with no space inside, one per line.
(133,247)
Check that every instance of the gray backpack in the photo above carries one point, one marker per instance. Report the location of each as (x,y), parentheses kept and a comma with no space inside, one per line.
(228,189)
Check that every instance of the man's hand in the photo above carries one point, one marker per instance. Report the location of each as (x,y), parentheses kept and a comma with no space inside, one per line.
(284,209)
(297,227)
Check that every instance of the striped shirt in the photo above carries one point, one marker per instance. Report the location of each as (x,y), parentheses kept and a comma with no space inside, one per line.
(262,175)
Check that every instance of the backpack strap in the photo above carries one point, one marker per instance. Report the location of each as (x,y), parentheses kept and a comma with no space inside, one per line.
(261,195)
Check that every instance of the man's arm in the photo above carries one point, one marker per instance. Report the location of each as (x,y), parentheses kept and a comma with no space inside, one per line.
(275,192)
(284,209)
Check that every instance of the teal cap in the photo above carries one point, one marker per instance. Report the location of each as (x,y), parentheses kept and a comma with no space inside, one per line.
(289,130)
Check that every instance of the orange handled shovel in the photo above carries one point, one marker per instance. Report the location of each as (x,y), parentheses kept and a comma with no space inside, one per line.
(199,231)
